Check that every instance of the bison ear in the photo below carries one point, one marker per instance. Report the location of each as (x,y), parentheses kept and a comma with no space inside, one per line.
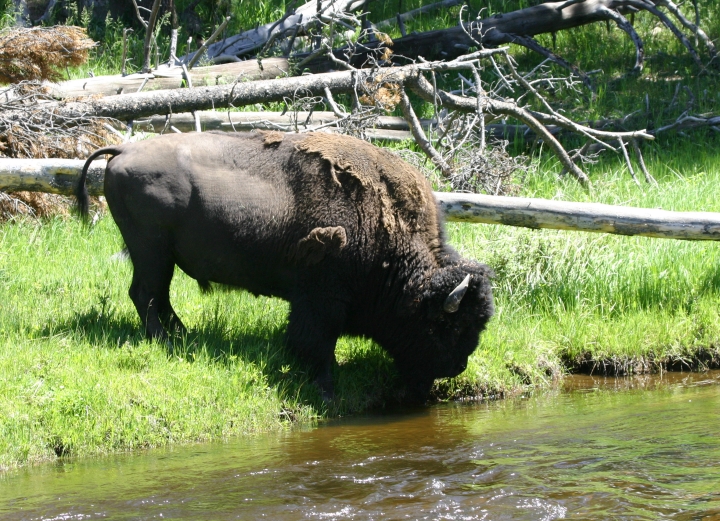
(321,242)
(452,302)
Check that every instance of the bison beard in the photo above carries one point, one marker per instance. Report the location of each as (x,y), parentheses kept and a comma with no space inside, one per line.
(346,232)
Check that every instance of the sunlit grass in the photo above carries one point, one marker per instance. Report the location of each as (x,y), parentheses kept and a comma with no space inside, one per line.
(76,376)
(78,379)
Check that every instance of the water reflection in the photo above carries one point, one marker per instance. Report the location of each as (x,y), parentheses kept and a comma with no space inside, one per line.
(650,450)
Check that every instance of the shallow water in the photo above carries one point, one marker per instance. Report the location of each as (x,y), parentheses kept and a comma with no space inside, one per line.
(644,448)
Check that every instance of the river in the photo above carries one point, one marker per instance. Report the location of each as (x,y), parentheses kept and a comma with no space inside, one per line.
(632,448)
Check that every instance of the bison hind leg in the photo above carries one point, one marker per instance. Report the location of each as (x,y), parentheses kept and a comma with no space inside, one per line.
(153,268)
(205,286)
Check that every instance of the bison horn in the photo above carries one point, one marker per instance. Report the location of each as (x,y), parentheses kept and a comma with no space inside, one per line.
(452,302)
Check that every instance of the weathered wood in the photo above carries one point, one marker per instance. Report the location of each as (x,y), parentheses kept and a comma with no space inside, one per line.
(53,176)
(59,176)
(384,127)
(588,217)
(517,27)
(145,104)
(304,17)
(393,128)
(170,78)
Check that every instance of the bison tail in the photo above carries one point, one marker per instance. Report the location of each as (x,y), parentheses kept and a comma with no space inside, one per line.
(81,193)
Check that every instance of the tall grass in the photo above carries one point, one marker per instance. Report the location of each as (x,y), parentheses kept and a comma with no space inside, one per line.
(612,303)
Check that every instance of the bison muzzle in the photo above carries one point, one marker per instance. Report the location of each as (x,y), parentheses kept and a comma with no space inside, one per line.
(346,232)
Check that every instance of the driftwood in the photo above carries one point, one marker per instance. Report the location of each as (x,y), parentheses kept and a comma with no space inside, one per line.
(170,78)
(59,177)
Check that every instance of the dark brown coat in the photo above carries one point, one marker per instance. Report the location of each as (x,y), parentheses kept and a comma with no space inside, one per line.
(348,233)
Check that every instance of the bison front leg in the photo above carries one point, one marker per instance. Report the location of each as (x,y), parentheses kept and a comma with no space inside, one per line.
(313,330)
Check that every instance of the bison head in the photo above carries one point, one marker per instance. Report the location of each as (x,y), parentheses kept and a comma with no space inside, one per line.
(450,309)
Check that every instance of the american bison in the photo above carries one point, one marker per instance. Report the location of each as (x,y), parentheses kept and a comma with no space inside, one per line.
(346,232)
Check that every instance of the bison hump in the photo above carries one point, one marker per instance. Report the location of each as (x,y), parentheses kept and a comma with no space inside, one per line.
(404,195)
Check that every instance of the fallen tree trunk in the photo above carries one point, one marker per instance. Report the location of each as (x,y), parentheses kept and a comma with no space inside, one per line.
(144,104)
(170,78)
(521,26)
(51,176)
(305,17)
(392,128)
(588,217)
(59,177)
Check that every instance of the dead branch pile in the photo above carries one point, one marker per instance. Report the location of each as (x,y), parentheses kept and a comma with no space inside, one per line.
(12,206)
(33,204)
(40,53)
(40,134)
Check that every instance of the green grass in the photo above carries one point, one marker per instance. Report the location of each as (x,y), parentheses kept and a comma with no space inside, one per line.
(615,304)
(77,378)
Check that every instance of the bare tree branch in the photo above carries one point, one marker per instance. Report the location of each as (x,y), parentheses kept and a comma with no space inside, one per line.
(419,135)
(207,42)
(626,26)
(149,30)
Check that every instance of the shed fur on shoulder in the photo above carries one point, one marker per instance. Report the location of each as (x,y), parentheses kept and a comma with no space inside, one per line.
(405,197)
(271,137)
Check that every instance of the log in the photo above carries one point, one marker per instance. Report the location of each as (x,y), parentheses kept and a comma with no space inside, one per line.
(52,176)
(303,18)
(390,128)
(145,104)
(170,78)
(518,27)
(59,176)
(587,217)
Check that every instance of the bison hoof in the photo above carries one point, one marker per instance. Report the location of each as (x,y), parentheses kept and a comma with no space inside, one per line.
(327,389)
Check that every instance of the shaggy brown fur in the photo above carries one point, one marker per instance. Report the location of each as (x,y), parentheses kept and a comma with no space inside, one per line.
(402,192)
(347,233)
(271,137)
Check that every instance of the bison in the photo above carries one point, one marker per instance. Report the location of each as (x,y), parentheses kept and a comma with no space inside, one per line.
(346,232)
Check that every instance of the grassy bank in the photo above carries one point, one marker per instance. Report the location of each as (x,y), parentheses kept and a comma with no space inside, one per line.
(76,377)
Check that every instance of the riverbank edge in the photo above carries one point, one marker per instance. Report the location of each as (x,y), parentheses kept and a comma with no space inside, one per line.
(462,389)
